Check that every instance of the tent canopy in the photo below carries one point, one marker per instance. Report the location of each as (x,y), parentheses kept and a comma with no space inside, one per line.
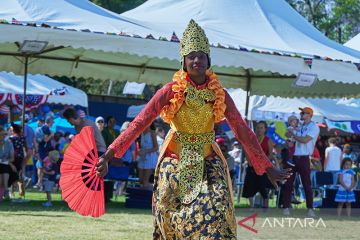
(67,14)
(56,91)
(253,24)
(109,56)
(354,43)
(276,108)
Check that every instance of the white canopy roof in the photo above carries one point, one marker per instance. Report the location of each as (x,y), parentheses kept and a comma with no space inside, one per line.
(354,43)
(108,56)
(67,14)
(276,108)
(253,24)
(56,91)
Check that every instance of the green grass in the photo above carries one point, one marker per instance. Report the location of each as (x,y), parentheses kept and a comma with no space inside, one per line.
(33,221)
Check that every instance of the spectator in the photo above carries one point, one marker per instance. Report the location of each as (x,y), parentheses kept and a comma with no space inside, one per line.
(348,153)
(148,154)
(236,154)
(255,183)
(29,135)
(67,137)
(6,162)
(332,158)
(100,123)
(72,117)
(49,177)
(345,193)
(305,139)
(110,133)
(43,136)
(19,144)
(160,136)
(127,160)
(58,140)
(229,159)
(293,123)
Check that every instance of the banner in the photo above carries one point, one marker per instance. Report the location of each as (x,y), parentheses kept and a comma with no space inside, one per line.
(346,126)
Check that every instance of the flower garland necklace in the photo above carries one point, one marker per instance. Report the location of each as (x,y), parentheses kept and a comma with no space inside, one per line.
(168,112)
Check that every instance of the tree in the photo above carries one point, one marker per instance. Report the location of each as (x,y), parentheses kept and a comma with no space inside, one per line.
(118,6)
(337,19)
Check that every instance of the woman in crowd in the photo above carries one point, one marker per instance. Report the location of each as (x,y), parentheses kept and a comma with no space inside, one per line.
(148,155)
(19,144)
(7,166)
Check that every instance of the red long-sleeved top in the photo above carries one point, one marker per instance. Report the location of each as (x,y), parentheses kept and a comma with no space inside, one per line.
(162,97)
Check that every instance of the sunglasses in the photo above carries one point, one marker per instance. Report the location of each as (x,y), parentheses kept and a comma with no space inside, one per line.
(304,113)
(101,121)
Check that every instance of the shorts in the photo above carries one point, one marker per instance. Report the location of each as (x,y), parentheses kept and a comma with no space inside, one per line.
(254,183)
(5,168)
(48,185)
(39,164)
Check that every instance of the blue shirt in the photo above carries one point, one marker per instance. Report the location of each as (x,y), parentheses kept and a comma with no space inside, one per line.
(127,157)
(29,136)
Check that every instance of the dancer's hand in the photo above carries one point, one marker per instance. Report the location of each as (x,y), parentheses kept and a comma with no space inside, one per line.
(275,174)
(102,165)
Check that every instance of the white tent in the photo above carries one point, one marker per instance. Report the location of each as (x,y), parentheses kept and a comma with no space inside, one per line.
(67,14)
(108,56)
(276,108)
(252,24)
(354,43)
(55,91)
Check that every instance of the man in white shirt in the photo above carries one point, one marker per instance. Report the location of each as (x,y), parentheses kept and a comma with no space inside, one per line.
(305,138)
(333,156)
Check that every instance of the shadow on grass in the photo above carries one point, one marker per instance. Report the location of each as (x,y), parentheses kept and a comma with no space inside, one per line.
(112,207)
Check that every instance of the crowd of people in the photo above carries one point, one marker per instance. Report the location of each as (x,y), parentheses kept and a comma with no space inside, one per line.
(33,158)
(306,154)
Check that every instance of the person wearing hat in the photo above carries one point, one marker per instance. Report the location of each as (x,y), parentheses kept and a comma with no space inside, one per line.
(192,195)
(100,123)
(305,138)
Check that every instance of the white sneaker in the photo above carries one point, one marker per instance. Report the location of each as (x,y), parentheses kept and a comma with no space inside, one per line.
(311,213)
(286,212)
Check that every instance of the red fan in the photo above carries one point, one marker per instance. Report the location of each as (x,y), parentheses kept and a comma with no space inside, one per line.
(81,188)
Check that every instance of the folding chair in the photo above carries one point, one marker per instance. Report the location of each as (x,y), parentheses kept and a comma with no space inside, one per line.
(323,180)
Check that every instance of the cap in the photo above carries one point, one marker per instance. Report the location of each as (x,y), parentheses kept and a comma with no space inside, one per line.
(235,143)
(99,119)
(220,140)
(307,110)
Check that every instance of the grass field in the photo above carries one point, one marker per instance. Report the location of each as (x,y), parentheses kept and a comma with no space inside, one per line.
(31,220)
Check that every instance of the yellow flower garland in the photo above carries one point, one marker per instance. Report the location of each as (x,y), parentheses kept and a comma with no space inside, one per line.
(168,112)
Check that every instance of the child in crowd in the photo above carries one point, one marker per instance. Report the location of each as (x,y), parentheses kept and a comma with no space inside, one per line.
(345,194)
(293,123)
(49,174)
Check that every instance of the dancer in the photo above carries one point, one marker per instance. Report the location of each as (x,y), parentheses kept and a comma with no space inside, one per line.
(192,191)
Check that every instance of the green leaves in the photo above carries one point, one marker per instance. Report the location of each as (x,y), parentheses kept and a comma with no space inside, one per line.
(337,19)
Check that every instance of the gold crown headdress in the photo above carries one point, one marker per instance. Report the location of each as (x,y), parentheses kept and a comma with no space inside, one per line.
(193,40)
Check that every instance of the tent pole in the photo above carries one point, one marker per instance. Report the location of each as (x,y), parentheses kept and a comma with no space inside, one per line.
(242,157)
(248,86)
(24,95)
